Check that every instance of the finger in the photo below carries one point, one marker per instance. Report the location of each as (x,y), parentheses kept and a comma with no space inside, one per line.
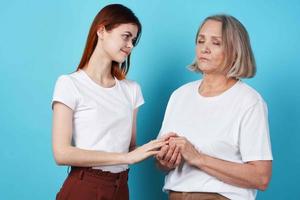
(155,146)
(162,152)
(168,135)
(178,160)
(174,156)
(151,153)
(169,153)
(180,141)
(157,141)
(172,141)
(162,162)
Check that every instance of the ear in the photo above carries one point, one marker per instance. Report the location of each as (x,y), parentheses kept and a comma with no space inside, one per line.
(100,32)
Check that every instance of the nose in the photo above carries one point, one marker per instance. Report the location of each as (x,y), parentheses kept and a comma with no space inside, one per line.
(204,49)
(130,44)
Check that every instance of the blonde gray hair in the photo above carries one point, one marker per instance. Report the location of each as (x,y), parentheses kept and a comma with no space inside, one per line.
(239,60)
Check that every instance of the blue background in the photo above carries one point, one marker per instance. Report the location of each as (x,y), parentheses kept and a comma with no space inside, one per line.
(40,40)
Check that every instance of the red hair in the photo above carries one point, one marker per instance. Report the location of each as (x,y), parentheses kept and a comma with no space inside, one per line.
(110,17)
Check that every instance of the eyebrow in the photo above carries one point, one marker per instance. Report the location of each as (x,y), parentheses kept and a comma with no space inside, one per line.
(130,34)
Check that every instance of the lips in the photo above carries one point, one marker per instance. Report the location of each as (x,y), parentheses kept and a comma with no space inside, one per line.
(203,59)
(125,52)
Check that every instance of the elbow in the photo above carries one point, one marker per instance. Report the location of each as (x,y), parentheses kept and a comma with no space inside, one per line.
(59,157)
(263,175)
(59,161)
(263,183)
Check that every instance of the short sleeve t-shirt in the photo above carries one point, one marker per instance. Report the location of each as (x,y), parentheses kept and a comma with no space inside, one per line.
(232,126)
(102,117)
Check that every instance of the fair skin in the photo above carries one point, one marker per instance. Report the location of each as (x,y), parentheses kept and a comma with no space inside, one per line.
(210,55)
(169,156)
(113,45)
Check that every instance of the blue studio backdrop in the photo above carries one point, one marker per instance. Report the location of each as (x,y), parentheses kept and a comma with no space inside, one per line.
(40,40)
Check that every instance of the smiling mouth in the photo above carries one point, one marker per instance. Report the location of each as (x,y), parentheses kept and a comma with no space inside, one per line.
(125,52)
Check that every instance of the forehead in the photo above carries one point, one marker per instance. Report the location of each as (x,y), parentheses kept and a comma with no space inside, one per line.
(211,28)
(132,28)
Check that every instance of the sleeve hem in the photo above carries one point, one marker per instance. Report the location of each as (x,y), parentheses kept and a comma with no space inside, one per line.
(63,102)
(139,104)
(248,159)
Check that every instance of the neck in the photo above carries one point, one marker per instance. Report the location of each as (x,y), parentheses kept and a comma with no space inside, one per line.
(99,67)
(213,85)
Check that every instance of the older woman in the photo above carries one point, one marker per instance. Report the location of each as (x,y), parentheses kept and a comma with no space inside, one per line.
(220,147)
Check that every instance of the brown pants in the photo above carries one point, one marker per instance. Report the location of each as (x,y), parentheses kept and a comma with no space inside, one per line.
(195,196)
(93,184)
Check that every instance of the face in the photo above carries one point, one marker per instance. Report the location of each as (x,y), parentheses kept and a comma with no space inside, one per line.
(209,48)
(118,42)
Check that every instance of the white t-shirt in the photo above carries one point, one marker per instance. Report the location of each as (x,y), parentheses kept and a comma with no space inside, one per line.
(232,126)
(102,118)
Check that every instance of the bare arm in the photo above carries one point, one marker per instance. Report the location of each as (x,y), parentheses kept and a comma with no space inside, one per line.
(254,174)
(132,145)
(66,154)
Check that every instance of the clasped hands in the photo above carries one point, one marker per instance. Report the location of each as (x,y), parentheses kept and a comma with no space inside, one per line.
(176,150)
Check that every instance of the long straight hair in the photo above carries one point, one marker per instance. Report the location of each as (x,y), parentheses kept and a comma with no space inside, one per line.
(110,17)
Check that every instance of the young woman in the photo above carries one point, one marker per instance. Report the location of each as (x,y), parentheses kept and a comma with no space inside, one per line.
(222,149)
(95,110)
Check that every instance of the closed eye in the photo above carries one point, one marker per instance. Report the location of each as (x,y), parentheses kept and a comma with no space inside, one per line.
(125,37)
(217,43)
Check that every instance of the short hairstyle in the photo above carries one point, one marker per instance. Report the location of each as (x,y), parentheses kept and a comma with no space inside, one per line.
(239,60)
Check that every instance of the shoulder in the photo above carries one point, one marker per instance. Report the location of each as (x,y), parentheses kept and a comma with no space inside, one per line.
(130,84)
(186,88)
(66,82)
(68,78)
(249,95)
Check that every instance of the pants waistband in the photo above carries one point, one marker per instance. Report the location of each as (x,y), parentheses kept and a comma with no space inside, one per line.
(175,195)
(97,175)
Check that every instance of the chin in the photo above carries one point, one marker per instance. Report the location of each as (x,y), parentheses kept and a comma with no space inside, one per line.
(205,68)
(119,60)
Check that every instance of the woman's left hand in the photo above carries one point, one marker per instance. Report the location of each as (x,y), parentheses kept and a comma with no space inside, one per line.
(187,150)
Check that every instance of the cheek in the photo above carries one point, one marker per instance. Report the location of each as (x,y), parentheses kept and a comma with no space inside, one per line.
(112,44)
(107,45)
(219,56)
(197,51)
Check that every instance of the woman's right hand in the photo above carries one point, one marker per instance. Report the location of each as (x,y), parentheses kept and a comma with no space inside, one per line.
(149,149)
(169,156)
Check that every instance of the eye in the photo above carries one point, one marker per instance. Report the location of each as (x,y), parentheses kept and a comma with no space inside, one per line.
(217,43)
(125,37)
(200,41)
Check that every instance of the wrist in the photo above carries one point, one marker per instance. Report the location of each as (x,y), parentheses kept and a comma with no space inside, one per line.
(126,157)
(200,160)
